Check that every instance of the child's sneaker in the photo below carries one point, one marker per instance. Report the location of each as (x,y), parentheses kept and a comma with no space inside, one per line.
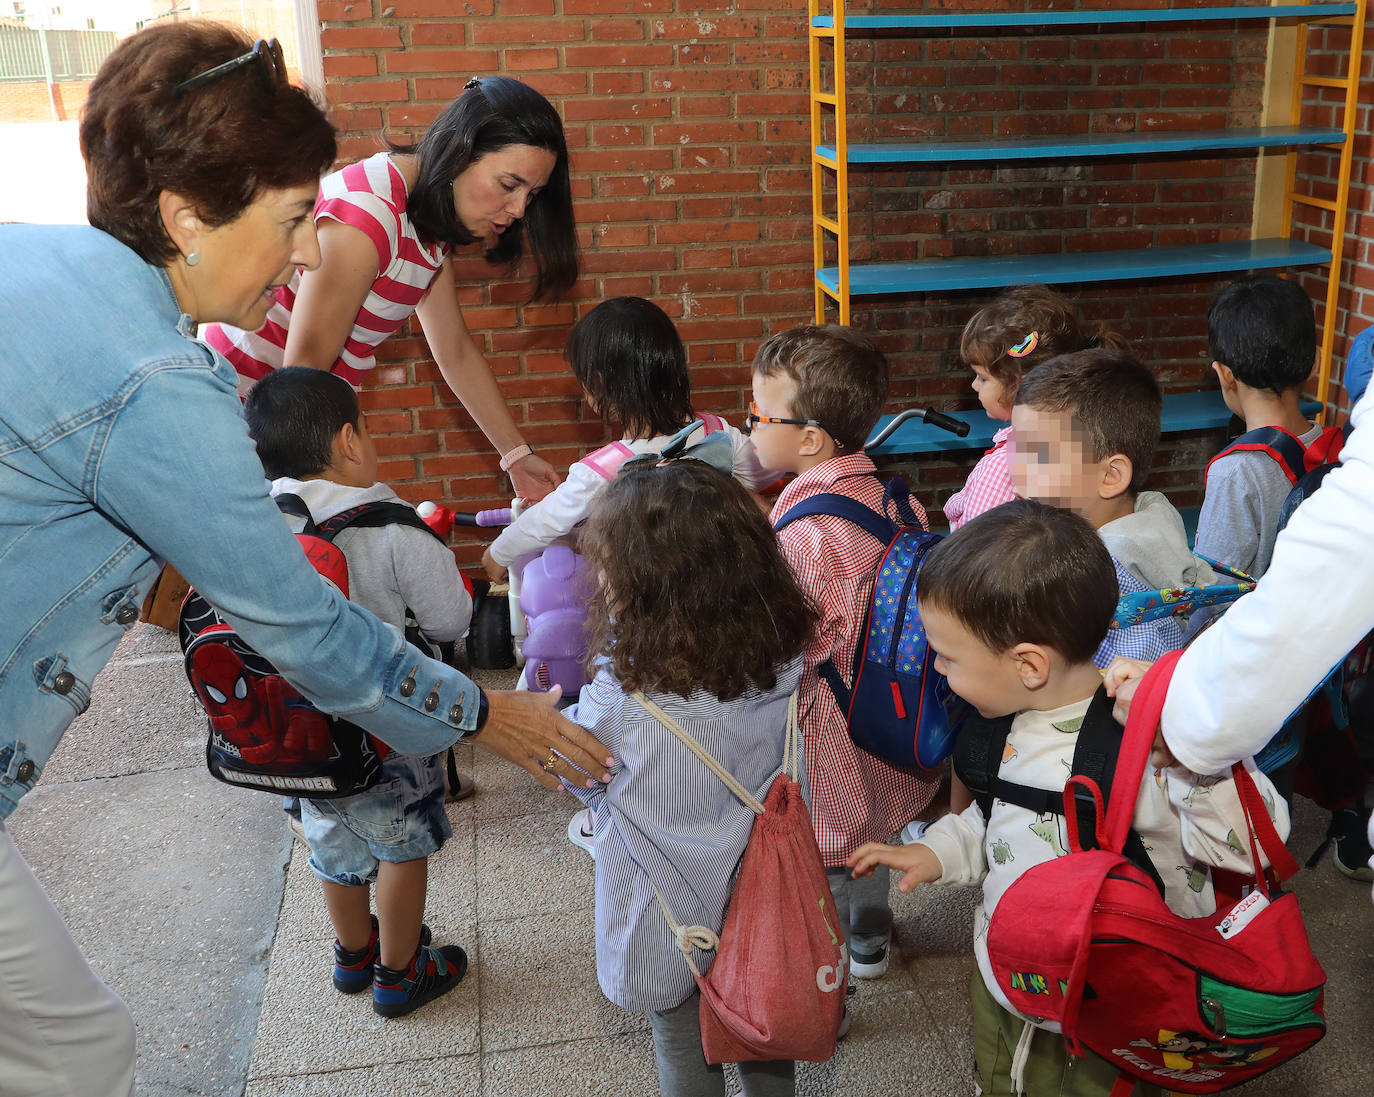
(353,970)
(868,965)
(580,831)
(432,972)
(913,831)
(1350,850)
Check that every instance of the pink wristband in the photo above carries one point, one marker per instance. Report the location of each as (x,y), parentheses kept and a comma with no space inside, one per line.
(519,453)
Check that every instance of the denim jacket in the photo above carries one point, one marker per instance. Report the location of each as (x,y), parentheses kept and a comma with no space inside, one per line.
(122,444)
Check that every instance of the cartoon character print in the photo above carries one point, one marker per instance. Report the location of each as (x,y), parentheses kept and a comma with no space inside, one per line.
(1185,1050)
(1202,786)
(1001,853)
(262,718)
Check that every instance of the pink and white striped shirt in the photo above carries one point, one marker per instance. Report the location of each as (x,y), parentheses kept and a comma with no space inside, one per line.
(371,197)
(989,485)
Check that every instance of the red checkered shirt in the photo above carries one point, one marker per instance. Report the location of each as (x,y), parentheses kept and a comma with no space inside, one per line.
(855,796)
(989,485)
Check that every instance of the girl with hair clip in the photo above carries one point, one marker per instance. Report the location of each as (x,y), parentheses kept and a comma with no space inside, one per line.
(1003,342)
(698,615)
(491,170)
(632,367)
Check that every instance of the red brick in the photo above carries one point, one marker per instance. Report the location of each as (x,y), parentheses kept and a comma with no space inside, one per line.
(357,38)
(510,30)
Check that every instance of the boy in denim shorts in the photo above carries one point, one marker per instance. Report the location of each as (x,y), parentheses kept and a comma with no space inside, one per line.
(313,443)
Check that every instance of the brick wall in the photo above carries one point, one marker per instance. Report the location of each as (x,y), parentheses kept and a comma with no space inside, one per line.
(28,101)
(689,131)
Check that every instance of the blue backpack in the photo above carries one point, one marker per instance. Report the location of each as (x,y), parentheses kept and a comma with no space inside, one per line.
(898,706)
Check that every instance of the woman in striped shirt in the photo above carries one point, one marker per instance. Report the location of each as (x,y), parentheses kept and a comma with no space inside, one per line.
(491,170)
(708,625)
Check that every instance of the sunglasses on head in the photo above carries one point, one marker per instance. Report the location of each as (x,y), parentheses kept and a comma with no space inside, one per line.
(266,58)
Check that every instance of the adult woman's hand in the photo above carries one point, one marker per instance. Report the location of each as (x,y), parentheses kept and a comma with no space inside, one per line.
(533,477)
(524,727)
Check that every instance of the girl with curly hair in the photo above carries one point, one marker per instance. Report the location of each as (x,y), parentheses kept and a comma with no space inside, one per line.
(699,614)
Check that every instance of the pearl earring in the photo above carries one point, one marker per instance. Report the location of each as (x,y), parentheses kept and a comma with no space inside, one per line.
(193,258)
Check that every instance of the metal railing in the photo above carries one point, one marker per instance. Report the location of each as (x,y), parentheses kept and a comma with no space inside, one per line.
(72,54)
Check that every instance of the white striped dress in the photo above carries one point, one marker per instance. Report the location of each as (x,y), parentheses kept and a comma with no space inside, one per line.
(665,820)
(371,197)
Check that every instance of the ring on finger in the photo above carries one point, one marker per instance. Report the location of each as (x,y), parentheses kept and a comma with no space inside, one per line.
(551,762)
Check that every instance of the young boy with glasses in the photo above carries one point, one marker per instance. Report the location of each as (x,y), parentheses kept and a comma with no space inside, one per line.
(818,391)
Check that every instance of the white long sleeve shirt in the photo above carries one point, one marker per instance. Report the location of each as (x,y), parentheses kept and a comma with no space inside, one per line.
(1242,678)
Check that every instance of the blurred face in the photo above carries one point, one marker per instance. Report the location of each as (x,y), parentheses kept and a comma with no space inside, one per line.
(244,262)
(992,394)
(986,679)
(777,444)
(1051,462)
(493,192)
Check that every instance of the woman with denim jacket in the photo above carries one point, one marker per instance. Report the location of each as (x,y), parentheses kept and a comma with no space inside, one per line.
(122,445)
(492,170)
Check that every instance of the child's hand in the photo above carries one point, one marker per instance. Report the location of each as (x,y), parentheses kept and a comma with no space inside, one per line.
(917,862)
(1121,679)
(495,572)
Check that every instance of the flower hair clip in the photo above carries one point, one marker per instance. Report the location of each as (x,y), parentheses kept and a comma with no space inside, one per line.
(474,82)
(1023,348)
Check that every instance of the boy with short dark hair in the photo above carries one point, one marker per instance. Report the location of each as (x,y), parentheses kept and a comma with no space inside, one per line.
(818,391)
(1086,427)
(313,443)
(1261,337)
(1014,604)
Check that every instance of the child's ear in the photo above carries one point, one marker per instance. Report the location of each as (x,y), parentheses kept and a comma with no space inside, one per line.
(1117,472)
(1032,665)
(812,443)
(348,449)
(1225,376)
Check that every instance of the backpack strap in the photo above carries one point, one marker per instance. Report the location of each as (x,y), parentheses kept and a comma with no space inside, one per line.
(1276,442)
(606,461)
(373,516)
(877,526)
(978,761)
(292,504)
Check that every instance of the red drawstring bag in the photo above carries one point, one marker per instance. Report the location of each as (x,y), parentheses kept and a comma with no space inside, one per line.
(1196,1005)
(777,987)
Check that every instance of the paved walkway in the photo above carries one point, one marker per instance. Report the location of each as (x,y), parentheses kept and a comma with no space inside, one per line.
(193,902)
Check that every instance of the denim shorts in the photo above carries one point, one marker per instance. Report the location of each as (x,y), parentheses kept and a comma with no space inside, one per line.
(400,818)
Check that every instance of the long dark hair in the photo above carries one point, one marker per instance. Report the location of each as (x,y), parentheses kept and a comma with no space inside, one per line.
(694,592)
(495,112)
(628,357)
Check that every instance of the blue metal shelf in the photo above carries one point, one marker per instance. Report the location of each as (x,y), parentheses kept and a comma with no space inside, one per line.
(867,279)
(955,19)
(1183,411)
(1075,146)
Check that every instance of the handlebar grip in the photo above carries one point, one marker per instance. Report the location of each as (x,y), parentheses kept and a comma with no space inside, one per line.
(498,517)
(946,422)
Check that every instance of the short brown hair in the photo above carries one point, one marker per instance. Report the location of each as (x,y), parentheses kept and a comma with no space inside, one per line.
(219,146)
(695,592)
(841,378)
(1016,315)
(1112,396)
(1025,573)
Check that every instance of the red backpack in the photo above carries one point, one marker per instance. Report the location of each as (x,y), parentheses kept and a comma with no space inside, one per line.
(1195,1005)
(777,987)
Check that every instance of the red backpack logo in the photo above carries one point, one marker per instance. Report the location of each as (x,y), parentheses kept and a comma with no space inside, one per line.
(1195,1005)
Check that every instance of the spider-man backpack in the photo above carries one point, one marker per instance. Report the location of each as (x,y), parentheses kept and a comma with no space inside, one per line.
(263,733)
